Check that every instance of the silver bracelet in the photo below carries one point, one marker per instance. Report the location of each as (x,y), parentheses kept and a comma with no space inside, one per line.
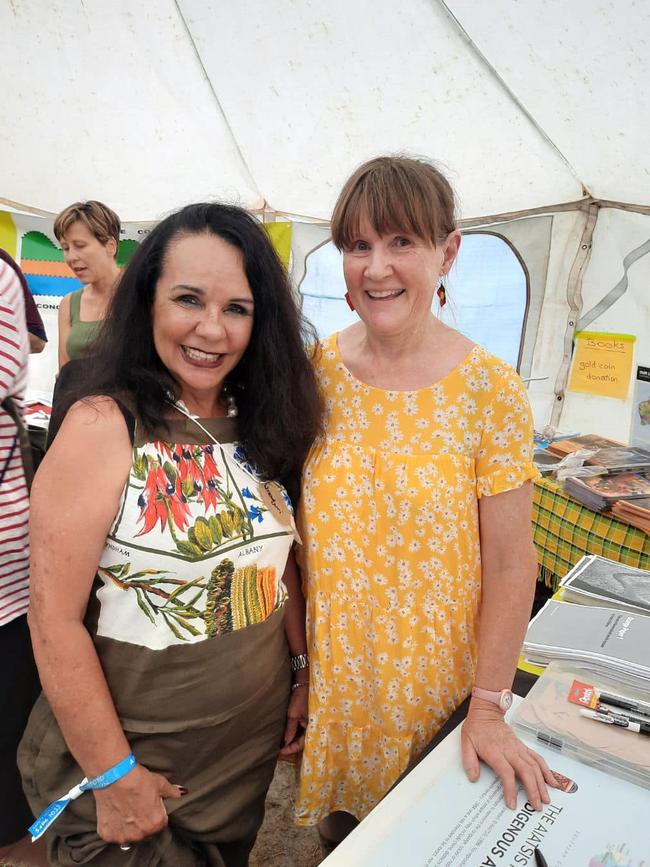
(297,685)
(299,662)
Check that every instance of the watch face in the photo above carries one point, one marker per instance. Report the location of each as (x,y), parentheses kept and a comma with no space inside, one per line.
(505,702)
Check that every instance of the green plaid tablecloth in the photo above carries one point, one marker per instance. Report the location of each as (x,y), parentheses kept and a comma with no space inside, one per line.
(564,531)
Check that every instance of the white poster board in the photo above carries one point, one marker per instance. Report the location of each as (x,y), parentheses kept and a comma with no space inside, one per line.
(436,818)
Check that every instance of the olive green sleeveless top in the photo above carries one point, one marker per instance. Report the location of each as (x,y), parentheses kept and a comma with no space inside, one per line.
(82,334)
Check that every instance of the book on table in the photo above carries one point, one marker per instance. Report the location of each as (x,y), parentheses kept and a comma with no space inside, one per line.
(613,642)
(613,456)
(600,492)
(618,458)
(634,512)
(577,443)
(596,580)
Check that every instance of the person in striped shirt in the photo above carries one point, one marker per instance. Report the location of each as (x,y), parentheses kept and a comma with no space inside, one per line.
(19,684)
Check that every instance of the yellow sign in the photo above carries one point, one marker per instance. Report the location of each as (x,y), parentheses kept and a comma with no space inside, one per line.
(8,236)
(602,364)
(280,235)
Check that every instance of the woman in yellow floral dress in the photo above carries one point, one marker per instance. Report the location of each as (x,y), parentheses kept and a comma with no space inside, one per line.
(415,516)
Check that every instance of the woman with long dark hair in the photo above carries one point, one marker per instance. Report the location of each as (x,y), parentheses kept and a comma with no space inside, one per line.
(161,535)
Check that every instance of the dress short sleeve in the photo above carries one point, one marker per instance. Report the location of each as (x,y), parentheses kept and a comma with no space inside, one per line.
(505,457)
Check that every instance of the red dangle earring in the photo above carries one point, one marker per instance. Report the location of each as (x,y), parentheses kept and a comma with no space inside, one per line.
(349,301)
(440,292)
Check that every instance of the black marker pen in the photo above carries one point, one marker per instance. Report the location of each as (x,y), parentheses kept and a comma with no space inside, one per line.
(617,719)
(642,707)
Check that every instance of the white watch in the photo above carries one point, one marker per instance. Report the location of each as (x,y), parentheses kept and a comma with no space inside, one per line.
(502,698)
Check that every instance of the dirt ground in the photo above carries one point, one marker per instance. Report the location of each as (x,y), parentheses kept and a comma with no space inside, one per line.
(280,843)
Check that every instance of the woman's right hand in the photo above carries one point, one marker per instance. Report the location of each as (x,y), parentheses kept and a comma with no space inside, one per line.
(132,809)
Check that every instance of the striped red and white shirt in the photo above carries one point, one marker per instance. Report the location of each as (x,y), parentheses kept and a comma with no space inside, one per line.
(14,502)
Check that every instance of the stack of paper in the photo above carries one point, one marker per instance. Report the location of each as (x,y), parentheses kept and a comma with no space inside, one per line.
(561,448)
(599,581)
(600,492)
(616,459)
(611,642)
(634,512)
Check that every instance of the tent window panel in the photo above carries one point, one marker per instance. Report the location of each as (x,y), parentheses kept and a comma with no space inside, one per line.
(323,291)
(487,294)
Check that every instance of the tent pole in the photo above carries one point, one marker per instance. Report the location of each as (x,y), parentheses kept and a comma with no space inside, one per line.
(574,299)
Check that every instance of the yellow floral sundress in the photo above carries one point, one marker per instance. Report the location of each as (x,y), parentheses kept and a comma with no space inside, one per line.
(391,565)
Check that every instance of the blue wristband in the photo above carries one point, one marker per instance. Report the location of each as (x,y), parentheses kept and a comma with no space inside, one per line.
(51,813)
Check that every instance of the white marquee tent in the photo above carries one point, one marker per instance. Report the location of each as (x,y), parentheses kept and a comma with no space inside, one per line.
(538,109)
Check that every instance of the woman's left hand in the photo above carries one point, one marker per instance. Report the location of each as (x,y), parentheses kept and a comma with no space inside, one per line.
(486,735)
(297,718)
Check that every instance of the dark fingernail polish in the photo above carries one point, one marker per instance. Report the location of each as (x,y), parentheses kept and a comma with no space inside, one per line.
(182,790)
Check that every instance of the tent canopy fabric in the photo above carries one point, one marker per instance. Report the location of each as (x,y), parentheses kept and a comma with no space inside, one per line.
(537,110)
(151,105)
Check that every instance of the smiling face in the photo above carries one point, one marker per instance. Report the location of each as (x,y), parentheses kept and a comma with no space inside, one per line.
(202,317)
(89,259)
(392,277)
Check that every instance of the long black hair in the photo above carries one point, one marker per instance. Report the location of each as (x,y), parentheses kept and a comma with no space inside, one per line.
(279,402)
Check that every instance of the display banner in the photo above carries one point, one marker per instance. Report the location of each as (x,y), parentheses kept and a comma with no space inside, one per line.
(30,239)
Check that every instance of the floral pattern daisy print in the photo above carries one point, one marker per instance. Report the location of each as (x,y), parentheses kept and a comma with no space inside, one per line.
(391,565)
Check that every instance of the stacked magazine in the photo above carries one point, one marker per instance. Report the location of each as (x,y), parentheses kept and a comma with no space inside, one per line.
(610,642)
(564,447)
(617,459)
(634,512)
(601,492)
(598,581)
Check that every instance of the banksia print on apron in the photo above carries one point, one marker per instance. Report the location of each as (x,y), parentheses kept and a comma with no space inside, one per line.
(193,553)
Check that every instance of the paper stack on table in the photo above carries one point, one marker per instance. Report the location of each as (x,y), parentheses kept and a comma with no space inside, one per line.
(598,581)
(616,459)
(634,512)
(601,492)
(611,642)
(564,447)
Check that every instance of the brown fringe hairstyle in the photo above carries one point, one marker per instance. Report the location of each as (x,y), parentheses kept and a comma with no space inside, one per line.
(97,217)
(395,193)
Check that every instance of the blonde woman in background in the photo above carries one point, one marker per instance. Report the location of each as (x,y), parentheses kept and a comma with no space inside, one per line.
(89,234)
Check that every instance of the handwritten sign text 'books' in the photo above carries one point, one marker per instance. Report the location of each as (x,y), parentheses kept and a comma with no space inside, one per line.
(602,364)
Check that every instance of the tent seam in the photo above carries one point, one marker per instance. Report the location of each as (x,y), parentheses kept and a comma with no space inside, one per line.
(220,108)
(513,96)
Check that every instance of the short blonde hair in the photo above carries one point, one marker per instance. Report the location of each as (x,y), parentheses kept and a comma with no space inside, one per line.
(98,218)
(395,193)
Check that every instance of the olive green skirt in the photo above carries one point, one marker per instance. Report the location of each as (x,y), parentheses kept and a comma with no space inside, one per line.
(224,753)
